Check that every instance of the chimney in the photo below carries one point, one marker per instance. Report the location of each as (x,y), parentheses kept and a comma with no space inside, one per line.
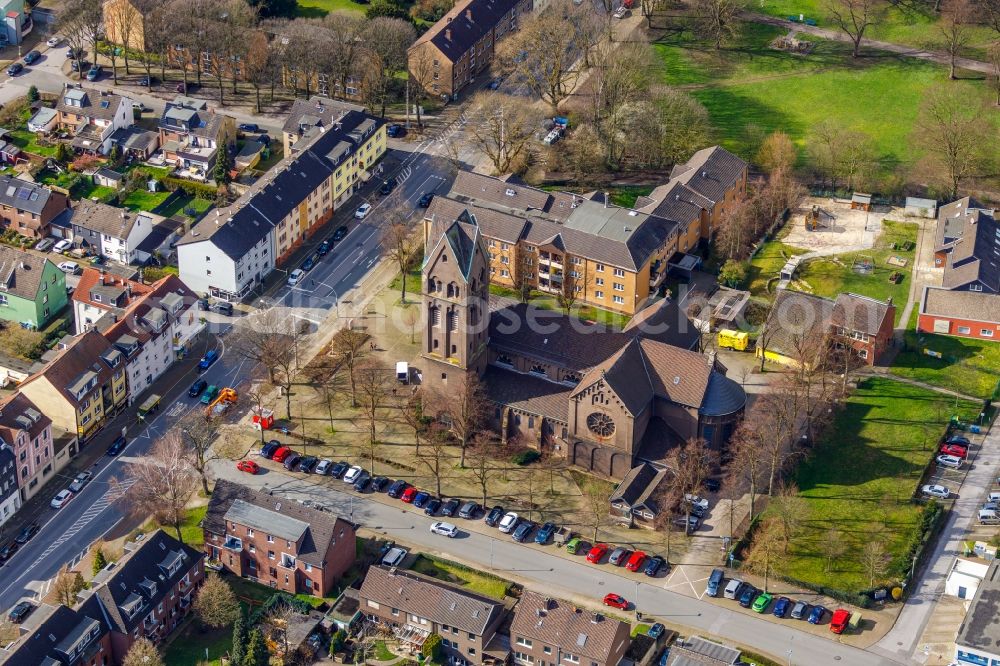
(468,14)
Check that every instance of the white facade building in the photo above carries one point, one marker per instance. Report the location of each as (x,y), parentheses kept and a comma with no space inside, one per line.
(10,498)
(965,577)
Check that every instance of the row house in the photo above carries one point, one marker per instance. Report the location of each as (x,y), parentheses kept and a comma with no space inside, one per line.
(148,592)
(552,632)
(460,46)
(28,208)
(28,433)
(81,388)
(231,252)
(101,298)
(32,288)
(118,234)
(308,118)
(191,134)
(66,637)
(10,494)
(91,117)
(413,607)
(275,542)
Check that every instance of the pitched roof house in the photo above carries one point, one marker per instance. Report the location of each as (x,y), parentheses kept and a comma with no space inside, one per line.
(969,314)
(32,288)
(92,116)
(10,496)
(115,233)
(635,497)
(27,431)
(556,631)
(66,637)
(191,134)
(967,246)
(308,118)
(99,293)
(279,542)
(28,208)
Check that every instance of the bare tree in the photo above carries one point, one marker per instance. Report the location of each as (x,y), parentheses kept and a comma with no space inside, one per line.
(776,153)
(161,482)
(874,560)
(748,459)
(667,500)
(464,412)
(854,17)
(124,26)
(348,348)
(790,509)
(435,455)
(619,78)
(387,40)
(271,338)
(258,67)
(834,547)
(156,22)
(505,130)
(764,554)
(72,24)
(689,465)
(412,414)
(348,40)
(597,504)
(482,466)
(994,78)
(199,431)
(954,26)
(278,623)
(373,388)
(399,242)
(718,21)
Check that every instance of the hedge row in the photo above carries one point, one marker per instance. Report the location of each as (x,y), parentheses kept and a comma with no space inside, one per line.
(192,187)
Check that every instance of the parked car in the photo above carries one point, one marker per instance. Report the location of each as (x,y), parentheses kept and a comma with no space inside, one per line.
(223,308)
(248,466)
(70,267)
(408,495)
(520,534)
(340,469)
(364,480)
(27,532)
(53,41)
(308,464)
(94,72)
(7,551)
(493,517)
(395,130)
(494,84)
(715,582)
(431,506)
(197,388)
(210,394)
(839,621)
(61,499)
(352,474)
(14,69)
(362,211)
(956,450)
(597,553)
(282,453)
(959,439)
(800,610)
(696,502)
(20,611)
(469,510)
(619,556)
(761,603)
(268,449)
(31,56)
(449,508)
(545,533)
(341,231)
(80,480)
(79,65)
(781,607)
(636,562)
(420,499)
(574,545)
(935,490)
(251,128)
(117,446)
(387,187)
(953,462)
(616,601)
(62,246)
(323,248)
(324,466)
(690,522)
(749,594)
(425,200)
(295,276)
(816,615)
(444,529)
(711,485)
(656,631)
(654,565)
(508,523)
(44,244)
(210,357)
(394,557)
(145,82)
(732,590)
(292,461)
(379,484)
(397,489)
(309,264)
(73,54)
(623,12)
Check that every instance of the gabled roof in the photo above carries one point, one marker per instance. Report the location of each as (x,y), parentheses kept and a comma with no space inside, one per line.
(59,639)
(81,358)
(975,255)
(796,318)
(21,272)
(109,220)
(323,530)
(638,486)
(710,172)
(19,414)
(93,104)
(972,305)
(116,292)
(570,628)
(625,372)
(317,111)
(854,312)
(142,315)
(23,195)
(464,25)
(426,597)
(527,392)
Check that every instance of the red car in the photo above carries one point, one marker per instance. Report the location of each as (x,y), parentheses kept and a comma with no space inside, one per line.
(409,494)
(839,620)
(281,454)
(597,553)
(616,601)
(636,561)
(248,466)
(954,450)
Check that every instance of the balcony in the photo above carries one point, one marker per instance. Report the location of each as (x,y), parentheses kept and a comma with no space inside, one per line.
(233,544)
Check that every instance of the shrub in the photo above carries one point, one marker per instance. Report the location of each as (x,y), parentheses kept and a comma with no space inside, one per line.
(33,95)
(432,647)
(733,273)
(527,457)
(191,187)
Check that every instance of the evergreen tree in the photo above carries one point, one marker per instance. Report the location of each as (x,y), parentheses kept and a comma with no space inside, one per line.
(100,561)
(240,637)
(33,95)
(257,654)
(222,166)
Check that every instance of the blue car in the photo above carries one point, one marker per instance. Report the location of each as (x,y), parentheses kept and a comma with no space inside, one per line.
(656,631)
(421,499)
(545,533)
(268,449)
(433,504)
(210,357)
(323,248)
(395,130)
(816,616)
(781,607)
(309,264)
(117,446)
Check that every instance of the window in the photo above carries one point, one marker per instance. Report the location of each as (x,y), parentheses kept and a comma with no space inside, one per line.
(572,658)
(373,604)
(599,268)
(599,282)
(521,640)
(598,294)
(618,299)
(619,286)
(863,353)
(619,272)
(547,650)
(986,332)
(964,330)
(975,287)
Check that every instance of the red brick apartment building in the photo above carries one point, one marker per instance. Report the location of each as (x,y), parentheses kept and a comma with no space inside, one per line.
(67,638)
(552,632)
(275,541)
(966,314)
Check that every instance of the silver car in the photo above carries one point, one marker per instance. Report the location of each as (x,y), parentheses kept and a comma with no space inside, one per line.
(618,556)
(800,610)
(79,481)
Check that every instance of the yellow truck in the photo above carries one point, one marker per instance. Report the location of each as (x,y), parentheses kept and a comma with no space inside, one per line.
(729,339)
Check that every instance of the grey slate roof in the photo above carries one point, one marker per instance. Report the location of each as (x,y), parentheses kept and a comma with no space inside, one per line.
(316,112)
(105,219)
(23,195)
(981,627)
(710,172)
(92,103)
(976,254)
(638,486)
(974,305)
(20,272)
(796,317)
(527,392)
(271,522)
(426,597)
(455,33)
(854,312)
(723,396)
(564,625)
(56,638)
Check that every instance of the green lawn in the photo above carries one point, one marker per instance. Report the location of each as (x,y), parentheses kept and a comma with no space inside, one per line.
(579,310)
(861,475)
(181,205)
(829,276)
(765,265)
(85,187)
(144,201)
(190,528)
(626,196)
(751,84)
(320,8)
(471,580)
(28,141)
(187,647)
(969,366)
(383,653)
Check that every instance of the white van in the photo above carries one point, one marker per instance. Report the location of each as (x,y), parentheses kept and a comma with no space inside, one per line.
(988,517)
(993,497)
(733,588)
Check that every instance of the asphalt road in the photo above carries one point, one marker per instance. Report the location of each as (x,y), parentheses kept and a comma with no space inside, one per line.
(537,566)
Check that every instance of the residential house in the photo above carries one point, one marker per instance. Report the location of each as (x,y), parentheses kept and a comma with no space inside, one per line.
(17,22)
(634,501)
(967,314)
(148,592)
(92,117)
(413,607)
(155,331)
(28,208)
(979,634)
(100,292)
(66,637)
(191,134)
(10,494)
(460,46)
(32,288)
(115,233)
(276,542)
(967,246)
(308,118)
(27,431)
(44,120)
(82,387)
(800,325)
(136,142)
(230,252)
(546,630)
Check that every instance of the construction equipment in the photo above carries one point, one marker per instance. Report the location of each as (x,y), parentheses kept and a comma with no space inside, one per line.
(227,396)
(729,339)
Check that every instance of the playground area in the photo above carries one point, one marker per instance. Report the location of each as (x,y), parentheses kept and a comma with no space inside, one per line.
(830,226)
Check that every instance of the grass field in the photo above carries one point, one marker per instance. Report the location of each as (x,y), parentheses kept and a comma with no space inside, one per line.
(579,310)
(198,205)
(320,8)
(969,366)
(190,528)
(28,141)
(751,84)
(829,276)
(861,475)
(469,579)
(144,201)
(765,265)
(187,648)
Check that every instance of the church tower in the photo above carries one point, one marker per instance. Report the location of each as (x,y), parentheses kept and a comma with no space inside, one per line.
(455,294)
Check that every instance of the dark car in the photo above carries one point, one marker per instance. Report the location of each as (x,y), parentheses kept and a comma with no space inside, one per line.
(79,65)
(654,565)
(494,516)
(545,533)
(7,550)
(210,357)
(20,611)
(264,139)
(340,469)
(379,484)
(308,464)
(960,440)
(522,531)
(117,446)
(94,72)
(432,506)
(268,449)
(14,69)
(223,307)
(749,594)
(339,234)
(197,388)
(249,127)
(421,499)
(711,485)
(364,480)
(31,56)
(323,248)
(656,631)
(308,264)
(28,531)
(469,510)
(395,130)
(73,54)
(494,84)
(816,615)
(449,508)
(781,607)
(425,200)
(292,461)
(146,81)
(387,187)
(397,488)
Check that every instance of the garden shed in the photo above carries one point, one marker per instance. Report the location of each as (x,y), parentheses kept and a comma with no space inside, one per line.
(861,201)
